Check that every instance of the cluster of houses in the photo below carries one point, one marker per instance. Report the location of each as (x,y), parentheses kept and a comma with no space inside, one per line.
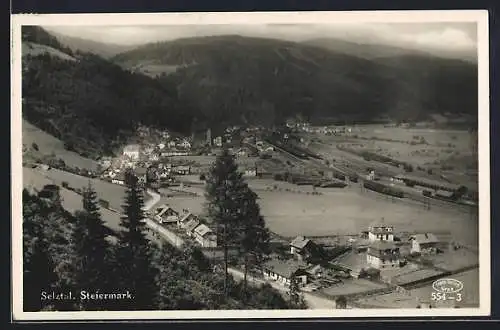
(382,251)
(192,225)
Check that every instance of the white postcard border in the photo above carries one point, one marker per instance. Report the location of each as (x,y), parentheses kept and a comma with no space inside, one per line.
(479,16)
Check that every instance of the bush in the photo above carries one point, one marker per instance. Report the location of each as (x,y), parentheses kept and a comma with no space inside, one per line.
(429,171)
(202,177)
(34,146)
(65,184)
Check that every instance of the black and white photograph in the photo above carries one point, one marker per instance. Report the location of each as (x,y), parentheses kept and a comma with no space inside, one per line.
(240,165)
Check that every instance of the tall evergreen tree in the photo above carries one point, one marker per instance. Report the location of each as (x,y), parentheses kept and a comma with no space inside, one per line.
(91,251)
(133,257)
(225,192)
(253,236)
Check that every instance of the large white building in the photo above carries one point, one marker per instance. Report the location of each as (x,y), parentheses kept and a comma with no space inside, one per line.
(381,232)
(132,151)
(383,254)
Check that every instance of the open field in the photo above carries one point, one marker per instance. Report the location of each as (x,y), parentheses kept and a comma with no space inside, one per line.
(32,178)
(48,144)
(113,193)
(342,211)
(455,260)
(448,152)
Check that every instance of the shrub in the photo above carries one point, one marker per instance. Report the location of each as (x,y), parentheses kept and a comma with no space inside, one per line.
(202,177)
(34,146)
(65,184)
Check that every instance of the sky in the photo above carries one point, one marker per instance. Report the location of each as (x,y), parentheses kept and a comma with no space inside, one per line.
(454,39)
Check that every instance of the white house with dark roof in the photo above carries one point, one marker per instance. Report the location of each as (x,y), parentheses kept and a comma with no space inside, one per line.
(424,243)
(205,236)
(166,214)
(301,247)
(282,271)
(184,218)
(191,225)
(132,151)
(383,254)
(381,232)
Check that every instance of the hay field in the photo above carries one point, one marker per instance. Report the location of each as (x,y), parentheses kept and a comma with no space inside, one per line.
(105,190)
(48,144)
(342,211)
(32,178)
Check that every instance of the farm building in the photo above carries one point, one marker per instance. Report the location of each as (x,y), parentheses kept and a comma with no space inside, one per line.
(141,172)
(49,192)
(205,236)
(191,226)
(383,254)
(119,179)
(283,271)
(183,219)
(166,214)
(381,232)
(422,243)
(181,170)
(132,151)
(250,172)
(301,247)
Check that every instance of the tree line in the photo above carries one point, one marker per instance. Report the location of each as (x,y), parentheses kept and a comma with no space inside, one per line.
(64,252)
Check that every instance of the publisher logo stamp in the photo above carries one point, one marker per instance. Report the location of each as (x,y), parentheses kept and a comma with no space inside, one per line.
(447,289)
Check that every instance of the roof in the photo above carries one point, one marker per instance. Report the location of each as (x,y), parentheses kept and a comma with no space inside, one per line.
(284,268)
(141,170)
(192,224)
(202,230)
(120,176)
(425,238)
(164,208)
(131,148)
(382,245)
(187,216)
(300,242)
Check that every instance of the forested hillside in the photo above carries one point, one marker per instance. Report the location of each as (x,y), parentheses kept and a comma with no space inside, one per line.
(92,104)
(241,79)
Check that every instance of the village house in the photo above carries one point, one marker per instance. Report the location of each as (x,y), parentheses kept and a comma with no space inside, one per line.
(166,214)
(161,146)
(118,178)
(171,144)
(184,144)
(383,254)
(424,243)
(132,151)
(141,173)
(191,226)
(184,218)
(218,141)
(283,271)
(250,171)
(205,236)
(182,170)
(381,232)
(300,247)
(49,192)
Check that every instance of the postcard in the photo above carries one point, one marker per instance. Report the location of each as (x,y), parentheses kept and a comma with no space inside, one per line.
(188,166)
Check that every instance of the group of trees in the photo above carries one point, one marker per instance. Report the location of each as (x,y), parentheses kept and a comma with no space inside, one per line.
(66,252)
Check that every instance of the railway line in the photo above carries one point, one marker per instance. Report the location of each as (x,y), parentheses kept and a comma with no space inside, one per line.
(359,168)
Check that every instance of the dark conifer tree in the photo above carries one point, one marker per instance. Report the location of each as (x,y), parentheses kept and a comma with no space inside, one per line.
(253,234)
(133,257)
(91,251)
(225,193)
